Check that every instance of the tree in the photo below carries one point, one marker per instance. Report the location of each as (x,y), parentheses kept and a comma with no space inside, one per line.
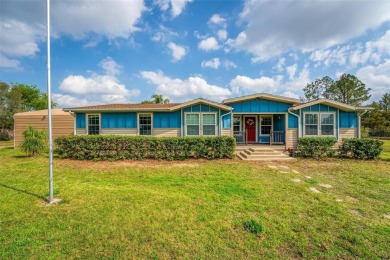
(159,99)
(147,102)
(16,97)
(378,120)
(348,89)
(33,141)
(317,89)
(384,103)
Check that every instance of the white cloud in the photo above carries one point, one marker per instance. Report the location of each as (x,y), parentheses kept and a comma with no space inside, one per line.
(23,23)
(377,78)
(243,85)
(209,44)
(164,34)
(229,64)
(222,34)
(110,66)
(9,63)
(217,19)
(176,6)
(280,64)
(305,25)
(79,90)
(291,70)
(177,51)
(182,90)
(213,63)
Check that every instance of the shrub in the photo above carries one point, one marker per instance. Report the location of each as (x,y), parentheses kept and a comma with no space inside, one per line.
(315,147)
(34,141)
(253,226)
(364,148)
(114,147)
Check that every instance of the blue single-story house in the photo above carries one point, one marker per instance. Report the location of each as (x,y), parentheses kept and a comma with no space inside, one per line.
(259,118)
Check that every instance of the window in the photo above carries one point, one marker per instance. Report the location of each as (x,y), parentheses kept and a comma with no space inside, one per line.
(319,124)
(265,125)
(236,124)
(327,124)
(208,123)
(145,124)
(192,123)
(311,124)
(93,124)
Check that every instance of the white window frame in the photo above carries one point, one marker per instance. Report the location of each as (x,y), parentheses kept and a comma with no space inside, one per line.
(215,123)
(240,121)
(272,124)
(87,122)
(200,122)
(319,124)
(139,125)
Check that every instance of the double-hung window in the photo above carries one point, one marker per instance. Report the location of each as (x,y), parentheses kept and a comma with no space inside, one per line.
(311,124)
(319,124)
(265,125)
(208,123)
(192,124)
(93,124)
(145,124)
(236,124)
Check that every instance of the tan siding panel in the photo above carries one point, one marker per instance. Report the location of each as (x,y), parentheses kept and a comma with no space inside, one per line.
(62,124)
(346,133)
(292,138)
(166,132)
(226,132)
(81,131)
(118,131)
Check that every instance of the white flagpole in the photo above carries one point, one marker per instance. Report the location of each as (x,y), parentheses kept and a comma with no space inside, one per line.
(51,199)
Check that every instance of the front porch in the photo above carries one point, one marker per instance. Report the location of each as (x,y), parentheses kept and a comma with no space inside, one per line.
(265,129)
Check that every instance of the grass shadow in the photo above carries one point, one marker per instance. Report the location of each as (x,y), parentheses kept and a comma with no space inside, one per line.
(23,191)
(21,156)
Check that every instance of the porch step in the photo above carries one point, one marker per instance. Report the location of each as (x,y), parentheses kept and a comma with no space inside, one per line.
(263,154)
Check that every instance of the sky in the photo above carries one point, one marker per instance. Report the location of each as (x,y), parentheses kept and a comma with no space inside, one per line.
(124,51)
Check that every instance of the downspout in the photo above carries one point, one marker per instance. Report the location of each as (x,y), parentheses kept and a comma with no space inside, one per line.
(359,121)
(299,121)
(221,123)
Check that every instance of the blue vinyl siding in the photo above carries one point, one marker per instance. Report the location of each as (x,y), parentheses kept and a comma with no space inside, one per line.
(166,119)
(80,120)
(226,120)
(348,119)
(119,120)
(292,121)
(259,105)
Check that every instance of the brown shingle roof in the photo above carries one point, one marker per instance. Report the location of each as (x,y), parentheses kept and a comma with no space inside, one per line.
(125,106)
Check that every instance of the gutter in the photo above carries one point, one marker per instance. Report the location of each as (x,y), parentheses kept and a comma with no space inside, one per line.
(220,125)
(299,121)
(359,122)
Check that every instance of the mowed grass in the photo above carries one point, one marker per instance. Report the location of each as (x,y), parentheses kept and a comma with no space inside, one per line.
(386,150)
(194,209)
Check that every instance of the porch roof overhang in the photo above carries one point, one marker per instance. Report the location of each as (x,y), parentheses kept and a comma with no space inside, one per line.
(262,95)
(332,103)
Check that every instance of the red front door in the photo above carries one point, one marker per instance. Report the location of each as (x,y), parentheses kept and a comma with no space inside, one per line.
(250,127)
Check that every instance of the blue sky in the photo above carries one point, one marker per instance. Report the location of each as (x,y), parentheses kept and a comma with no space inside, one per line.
(118,51)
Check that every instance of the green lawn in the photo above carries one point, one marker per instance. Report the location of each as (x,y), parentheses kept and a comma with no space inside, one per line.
(194,209)
(386,150)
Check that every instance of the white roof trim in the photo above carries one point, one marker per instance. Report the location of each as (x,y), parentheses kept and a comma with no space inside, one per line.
(261,95)
(201,101)
(331,103)
(114,109)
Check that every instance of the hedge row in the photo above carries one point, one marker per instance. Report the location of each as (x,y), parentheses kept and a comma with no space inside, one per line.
(315,147)
(321,147)
(99,147)
(363,149)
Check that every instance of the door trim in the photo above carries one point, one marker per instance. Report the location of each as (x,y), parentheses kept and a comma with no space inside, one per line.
(256,126)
